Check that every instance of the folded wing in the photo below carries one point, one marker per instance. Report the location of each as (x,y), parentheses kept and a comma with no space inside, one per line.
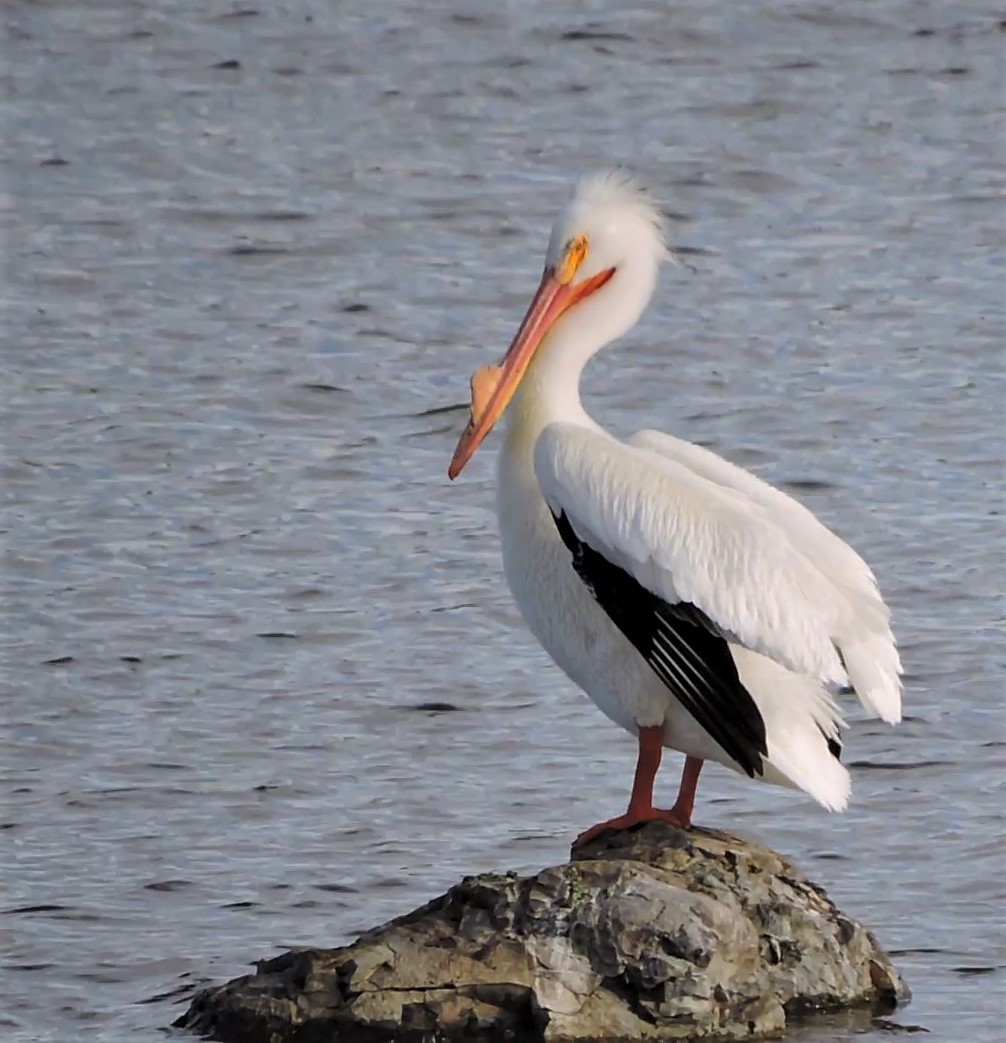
(693,529)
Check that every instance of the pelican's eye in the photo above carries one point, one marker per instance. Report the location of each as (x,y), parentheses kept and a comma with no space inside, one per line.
(576,251)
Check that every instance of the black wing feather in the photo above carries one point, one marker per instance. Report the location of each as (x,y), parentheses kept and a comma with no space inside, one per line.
(682,646)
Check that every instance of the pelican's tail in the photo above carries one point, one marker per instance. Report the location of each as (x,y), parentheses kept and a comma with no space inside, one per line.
(803,729)
(874,670)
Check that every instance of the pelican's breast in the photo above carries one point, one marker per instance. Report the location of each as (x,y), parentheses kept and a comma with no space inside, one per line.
(558,609)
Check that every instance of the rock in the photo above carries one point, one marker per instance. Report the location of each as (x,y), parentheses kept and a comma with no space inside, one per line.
(652,934)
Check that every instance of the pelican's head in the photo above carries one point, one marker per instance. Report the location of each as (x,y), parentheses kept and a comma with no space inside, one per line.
(600,271)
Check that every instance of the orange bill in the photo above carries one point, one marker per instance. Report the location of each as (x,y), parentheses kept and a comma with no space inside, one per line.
(551,300)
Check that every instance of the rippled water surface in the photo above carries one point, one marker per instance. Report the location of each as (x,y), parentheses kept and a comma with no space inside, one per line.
(252,252)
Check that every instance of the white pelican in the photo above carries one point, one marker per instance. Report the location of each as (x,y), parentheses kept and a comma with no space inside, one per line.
(699,607)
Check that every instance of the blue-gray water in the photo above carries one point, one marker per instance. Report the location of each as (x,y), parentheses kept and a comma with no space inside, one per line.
(253,249)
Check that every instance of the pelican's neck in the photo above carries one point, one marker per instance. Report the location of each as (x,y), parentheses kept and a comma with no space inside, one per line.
(550,390)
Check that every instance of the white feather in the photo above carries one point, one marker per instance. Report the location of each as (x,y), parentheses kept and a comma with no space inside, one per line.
(867,647)
(800,717)
(687,538)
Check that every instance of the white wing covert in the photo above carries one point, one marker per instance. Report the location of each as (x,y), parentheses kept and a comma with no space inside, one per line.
(833,556)
(690,527)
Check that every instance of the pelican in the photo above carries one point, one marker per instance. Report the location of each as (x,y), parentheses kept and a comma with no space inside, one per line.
(700,608)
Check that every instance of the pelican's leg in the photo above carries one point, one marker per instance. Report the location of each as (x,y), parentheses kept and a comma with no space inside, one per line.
(685,803)
(641,809)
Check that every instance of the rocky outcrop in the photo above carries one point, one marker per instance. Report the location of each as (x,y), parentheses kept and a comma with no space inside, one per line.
(653,934)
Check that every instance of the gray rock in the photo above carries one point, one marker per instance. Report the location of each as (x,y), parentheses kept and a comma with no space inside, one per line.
(653,934)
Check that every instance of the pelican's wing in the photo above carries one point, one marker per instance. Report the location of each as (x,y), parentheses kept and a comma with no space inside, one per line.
(683,648)
(688,539)
(833,556)
(869,653)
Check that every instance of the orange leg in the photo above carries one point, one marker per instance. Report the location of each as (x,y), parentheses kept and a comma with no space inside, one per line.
(641,809)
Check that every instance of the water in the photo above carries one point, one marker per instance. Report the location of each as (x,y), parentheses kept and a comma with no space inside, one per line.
(240,302)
